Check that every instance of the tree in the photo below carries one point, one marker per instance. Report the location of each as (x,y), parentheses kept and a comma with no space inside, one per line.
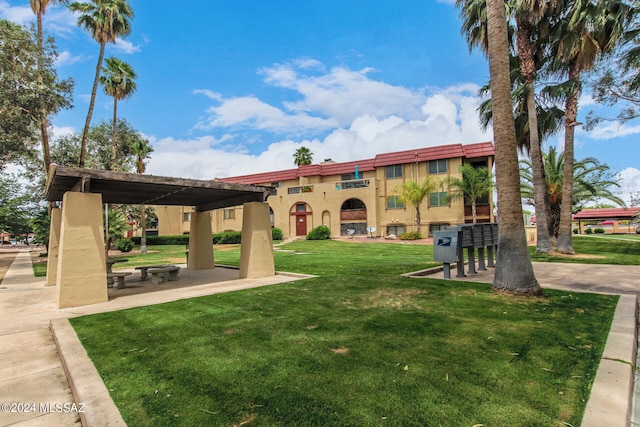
(585,32)
(592,182)
(116,225)
(14,206)
(41,225)
(141,149)
(118,81)
(26,91)
(514,271)
(39,7)
(302,156)
(414,193)
(106,20)
(475,184)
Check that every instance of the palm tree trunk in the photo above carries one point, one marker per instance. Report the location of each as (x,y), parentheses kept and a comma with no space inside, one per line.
(418,219)
(514,271)
(113,133)
(143,239)
(87,123)
(566,212)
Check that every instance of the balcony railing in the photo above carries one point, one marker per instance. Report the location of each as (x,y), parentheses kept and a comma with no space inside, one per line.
(300,189)
(354,183)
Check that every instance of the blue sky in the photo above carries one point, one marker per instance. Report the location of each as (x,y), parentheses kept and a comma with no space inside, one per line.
(233,87)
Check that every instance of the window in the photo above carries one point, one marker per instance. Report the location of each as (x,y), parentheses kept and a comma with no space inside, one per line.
(186,217)
(394,171)
(438,199)
(229,214)
(437,227)
(438,166)
(394,203)
(347,176)
(397,229)
(277,184)
(301,207)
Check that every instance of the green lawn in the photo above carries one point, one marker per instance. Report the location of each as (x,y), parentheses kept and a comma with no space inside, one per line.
(358,345)
(599,249)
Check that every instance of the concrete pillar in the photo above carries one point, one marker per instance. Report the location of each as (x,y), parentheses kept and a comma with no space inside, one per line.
(200,242)
(256,252)
(54,246)
(82,273)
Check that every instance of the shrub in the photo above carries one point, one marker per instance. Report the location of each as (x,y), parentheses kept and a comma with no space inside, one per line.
(227,237)
(276,234)
(599,230)
(410,235)
(181,239)
(321,232)
(588,231)
(124,245)
(575,231)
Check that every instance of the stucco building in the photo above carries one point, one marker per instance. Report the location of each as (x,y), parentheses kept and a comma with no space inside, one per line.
(357,195)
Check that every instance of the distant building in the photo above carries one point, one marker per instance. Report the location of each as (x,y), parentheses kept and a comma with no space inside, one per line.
(357,195)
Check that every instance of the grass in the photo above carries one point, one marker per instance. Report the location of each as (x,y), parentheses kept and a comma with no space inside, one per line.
(358,345)
(613,249)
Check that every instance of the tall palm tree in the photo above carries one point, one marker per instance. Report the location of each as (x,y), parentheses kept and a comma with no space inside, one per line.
(39,7)
(414,193)
(302,156)
(475,184)
(588,30)
(106,20)
(141,149)
(592,181)
(118,80)
(514,271)
(530,32)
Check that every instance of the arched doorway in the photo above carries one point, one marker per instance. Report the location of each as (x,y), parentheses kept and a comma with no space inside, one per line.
(300,213)
(353,216)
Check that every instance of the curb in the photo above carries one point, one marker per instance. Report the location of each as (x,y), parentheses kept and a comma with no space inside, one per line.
(611,393)
(89,391)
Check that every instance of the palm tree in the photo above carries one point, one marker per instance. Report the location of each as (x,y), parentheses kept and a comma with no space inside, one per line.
(592,181)
(141,149)
(475,184)
(39,7)
(302,156)
(587,31)
(414,193)
(118,81)
(106,20)
(514,271)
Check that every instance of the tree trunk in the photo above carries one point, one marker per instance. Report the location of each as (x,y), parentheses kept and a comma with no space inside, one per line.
(44,133)
(87,123)
(418,219)
(514,272)
(566,211)
(143,239)
(113,133)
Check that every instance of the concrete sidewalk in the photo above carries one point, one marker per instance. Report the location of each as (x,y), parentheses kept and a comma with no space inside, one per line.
(33,371)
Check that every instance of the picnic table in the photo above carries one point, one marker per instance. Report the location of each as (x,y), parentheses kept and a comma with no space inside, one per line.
(144,269)
(111,276)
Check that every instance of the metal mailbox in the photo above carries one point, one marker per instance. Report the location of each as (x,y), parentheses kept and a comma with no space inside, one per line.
(478,239)
(445,246)
(487,234)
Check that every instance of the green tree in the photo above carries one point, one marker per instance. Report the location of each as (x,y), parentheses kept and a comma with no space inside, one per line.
(116,225)
(514,271)
(26,91)
(40,226)
(414,194)
(302,156)
(15,206)
(39,7)
(592,183)
(474,184)
(118,81)
(586,31)
(106,20)
(141,149)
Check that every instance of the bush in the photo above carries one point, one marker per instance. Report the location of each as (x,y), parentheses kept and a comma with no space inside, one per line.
(227,237)
(588,231)
(575,231)
(180,239)
(276,234)
(321,232)
(599,230)
(410,235)
(124,245)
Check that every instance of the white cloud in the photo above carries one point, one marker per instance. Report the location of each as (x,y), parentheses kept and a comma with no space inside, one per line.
(613,130)
(18,14)
(209,94)
(126,46)
(629,180)
(67,58)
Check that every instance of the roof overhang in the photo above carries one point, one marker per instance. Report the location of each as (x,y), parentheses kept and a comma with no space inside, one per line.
(138,189)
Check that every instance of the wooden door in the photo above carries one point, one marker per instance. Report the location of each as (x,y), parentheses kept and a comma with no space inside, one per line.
(301,225)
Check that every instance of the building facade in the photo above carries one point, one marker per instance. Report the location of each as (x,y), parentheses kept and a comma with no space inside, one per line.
(356,198)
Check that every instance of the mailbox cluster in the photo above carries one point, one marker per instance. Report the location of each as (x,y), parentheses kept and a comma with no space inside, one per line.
(449,246)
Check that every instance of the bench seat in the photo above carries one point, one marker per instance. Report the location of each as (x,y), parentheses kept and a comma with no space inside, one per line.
(144,269)
(159,275)
(111,277)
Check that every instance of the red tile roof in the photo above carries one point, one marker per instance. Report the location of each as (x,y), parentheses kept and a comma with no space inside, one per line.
(610,213)
(482,149)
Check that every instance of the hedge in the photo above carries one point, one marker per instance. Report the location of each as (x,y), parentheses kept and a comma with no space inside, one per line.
(227,237)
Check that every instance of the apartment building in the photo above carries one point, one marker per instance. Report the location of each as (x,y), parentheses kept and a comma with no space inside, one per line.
(358,197)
